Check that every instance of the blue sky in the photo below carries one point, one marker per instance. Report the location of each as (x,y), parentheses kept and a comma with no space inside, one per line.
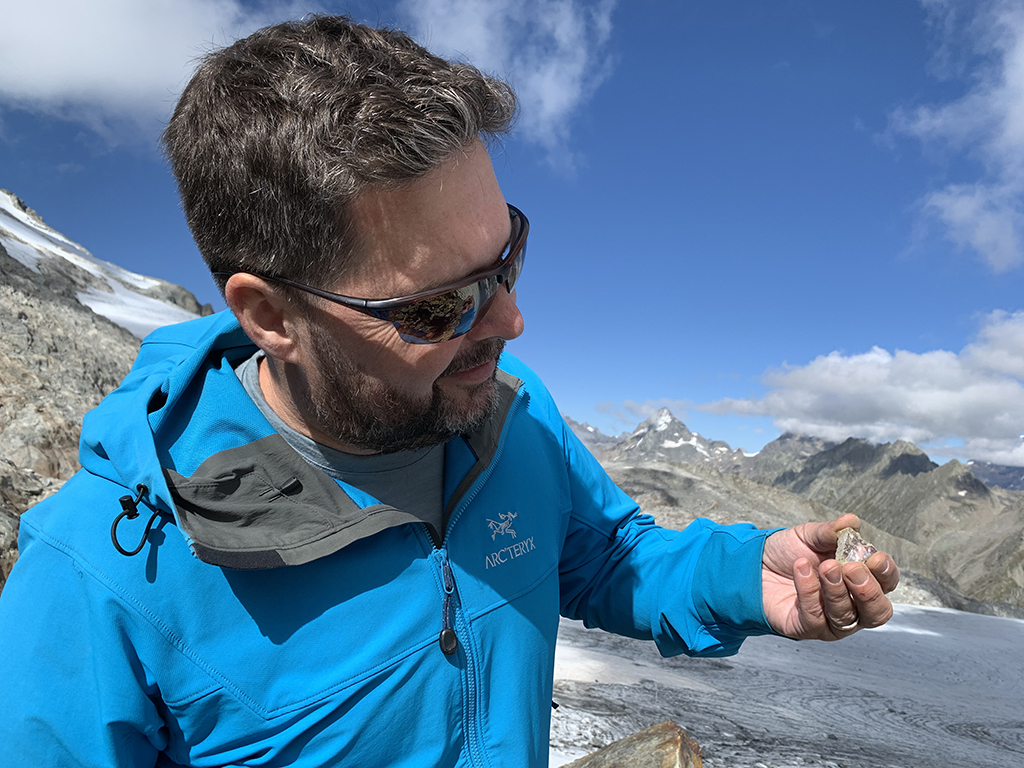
(799,215)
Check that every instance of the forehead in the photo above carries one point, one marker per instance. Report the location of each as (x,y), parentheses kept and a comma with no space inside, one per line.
(433,231)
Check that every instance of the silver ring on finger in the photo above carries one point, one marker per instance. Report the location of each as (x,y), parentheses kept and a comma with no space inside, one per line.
(848,628)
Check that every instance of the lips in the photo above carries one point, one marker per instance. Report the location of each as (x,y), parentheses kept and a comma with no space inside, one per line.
(483,355)
(477,375)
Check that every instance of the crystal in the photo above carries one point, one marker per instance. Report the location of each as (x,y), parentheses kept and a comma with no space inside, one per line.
(852,548)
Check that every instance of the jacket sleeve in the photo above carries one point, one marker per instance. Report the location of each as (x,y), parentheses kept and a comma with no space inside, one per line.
(695,591)
(73,693)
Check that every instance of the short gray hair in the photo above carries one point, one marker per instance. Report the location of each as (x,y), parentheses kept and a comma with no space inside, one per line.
(276,134)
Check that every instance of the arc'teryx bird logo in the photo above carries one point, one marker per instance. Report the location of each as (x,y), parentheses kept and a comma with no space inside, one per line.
(512,551)
(505,526)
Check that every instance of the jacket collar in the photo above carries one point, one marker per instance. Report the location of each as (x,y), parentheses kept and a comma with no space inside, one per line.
(261,505)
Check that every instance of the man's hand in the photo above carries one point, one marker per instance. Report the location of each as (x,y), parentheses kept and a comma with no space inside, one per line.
(808,595)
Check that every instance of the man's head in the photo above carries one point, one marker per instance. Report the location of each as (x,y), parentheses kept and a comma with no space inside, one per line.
(277,134)
(349,159)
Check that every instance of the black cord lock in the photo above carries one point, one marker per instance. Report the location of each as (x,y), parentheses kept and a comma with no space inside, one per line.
(130,509)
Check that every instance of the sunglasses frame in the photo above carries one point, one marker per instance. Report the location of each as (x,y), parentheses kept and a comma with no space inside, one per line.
(383,309)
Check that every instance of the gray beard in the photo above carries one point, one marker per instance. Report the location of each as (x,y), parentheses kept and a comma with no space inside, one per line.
(355,410)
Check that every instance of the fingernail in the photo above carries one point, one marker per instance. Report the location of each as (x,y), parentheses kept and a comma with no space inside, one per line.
(885,568)
(834,576)
(858,576)
(803,569)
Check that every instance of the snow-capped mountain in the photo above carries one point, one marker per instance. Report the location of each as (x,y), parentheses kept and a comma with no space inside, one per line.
(133,301)
(663,437)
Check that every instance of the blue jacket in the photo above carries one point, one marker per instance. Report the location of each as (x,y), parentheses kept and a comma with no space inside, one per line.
(277,617)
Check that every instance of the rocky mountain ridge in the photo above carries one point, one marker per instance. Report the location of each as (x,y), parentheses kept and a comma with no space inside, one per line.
(960,540)
(1010,478)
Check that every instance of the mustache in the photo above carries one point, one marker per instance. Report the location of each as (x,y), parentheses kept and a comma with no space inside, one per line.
(480,353)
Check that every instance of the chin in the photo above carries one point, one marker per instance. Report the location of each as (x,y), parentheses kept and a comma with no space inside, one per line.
(468,407)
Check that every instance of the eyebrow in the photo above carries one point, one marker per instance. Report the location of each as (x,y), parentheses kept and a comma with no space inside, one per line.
(497,260)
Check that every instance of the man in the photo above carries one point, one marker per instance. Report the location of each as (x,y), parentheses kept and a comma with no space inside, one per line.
(356,520)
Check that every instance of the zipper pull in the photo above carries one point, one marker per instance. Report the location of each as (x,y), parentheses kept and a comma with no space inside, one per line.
(448,640)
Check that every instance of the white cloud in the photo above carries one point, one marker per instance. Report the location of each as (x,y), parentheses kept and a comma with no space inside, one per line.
(116,65)
(552,51)
(935,398)
(984,216)
(986,123)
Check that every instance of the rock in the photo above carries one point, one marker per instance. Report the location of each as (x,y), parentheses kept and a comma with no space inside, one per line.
(852,548)
(19,490)
(58,360)
(665,745)
(176,295)
(8,543)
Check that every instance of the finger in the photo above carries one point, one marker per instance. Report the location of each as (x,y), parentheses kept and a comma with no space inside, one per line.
(872,606)
(885,571)
(808,599)
(840,609)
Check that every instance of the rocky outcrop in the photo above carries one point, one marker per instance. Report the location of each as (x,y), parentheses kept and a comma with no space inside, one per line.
(58,360)
(19,490)
(665,745)
(64,319)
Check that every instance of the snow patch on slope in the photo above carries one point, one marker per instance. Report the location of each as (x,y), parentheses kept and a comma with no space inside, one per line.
(117,296)
(139,314)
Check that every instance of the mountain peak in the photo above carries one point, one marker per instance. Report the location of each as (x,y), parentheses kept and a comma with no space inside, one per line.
(19,204)
(663,420)
(662,437)
(44,257)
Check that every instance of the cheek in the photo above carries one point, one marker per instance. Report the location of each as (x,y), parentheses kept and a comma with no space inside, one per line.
(414,366)
(379,353)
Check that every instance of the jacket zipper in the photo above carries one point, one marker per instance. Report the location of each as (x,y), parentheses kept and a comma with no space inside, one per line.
(448,638)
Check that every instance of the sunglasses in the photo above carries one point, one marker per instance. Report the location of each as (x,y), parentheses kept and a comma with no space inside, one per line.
(443,313)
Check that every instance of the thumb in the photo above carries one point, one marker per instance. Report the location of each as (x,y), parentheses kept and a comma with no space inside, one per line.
(823,537)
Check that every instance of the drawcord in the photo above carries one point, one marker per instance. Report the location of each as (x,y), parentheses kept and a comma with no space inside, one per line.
(130,509)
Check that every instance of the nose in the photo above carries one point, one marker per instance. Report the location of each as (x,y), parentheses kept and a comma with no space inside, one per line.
(502,319)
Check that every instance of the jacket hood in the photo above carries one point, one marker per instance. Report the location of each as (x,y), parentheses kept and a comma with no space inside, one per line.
(126,438)
(182,426)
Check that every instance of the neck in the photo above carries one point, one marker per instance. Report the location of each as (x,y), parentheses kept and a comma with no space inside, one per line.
(281,384)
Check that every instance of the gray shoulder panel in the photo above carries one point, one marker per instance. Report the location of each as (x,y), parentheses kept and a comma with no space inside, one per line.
(261,506)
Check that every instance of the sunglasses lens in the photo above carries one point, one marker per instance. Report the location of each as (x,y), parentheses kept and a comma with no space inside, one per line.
(450,315)
(438,318)
(515,268)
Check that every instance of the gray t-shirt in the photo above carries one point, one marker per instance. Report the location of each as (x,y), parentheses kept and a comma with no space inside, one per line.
(412,481)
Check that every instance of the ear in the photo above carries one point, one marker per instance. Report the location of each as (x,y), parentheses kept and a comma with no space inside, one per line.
(267,317)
